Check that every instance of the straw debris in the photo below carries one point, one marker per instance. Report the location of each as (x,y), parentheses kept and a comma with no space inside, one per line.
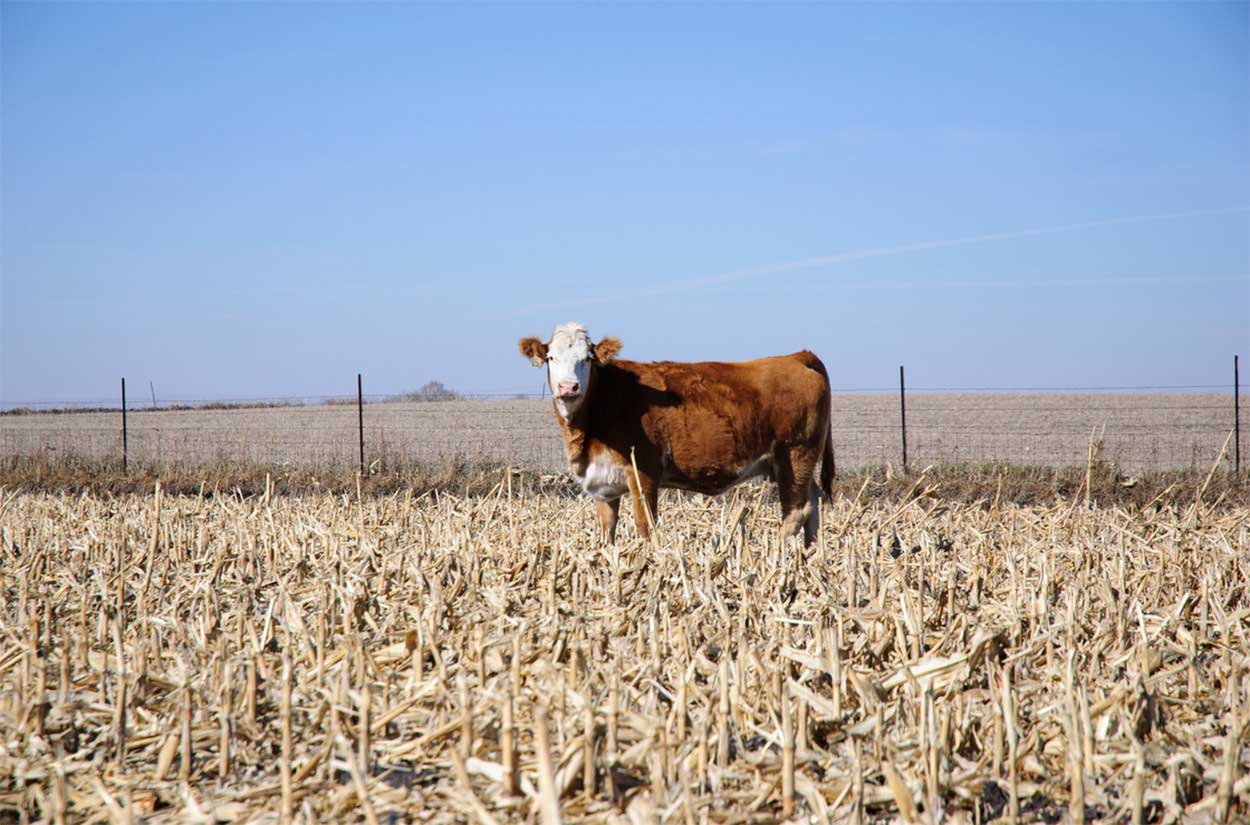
(433,658)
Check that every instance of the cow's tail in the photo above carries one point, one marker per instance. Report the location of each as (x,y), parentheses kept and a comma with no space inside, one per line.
(827,467)
(827,464)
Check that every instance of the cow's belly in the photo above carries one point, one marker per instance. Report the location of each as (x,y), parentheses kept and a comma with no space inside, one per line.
(604,479)
(716,478)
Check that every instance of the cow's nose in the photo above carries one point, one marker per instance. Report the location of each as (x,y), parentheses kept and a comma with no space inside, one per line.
(568,388)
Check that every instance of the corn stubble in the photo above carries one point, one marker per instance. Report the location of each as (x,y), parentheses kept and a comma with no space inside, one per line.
(327,659)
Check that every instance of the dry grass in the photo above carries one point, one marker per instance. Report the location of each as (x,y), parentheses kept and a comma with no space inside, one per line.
(444,658)
(1138,432)
(980,484)
(59,473)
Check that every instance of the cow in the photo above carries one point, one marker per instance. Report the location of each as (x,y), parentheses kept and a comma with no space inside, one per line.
(637,427)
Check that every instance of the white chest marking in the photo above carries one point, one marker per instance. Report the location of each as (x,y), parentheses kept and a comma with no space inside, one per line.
(604,479)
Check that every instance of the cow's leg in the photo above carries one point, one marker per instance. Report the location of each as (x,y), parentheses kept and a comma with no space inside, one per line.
(783,474)
(811,527)
(645,494)
(794,468)
(608,511)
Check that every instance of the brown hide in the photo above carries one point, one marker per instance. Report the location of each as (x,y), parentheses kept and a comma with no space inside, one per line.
(704,427)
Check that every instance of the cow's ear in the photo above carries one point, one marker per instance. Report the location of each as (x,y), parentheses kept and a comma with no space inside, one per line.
(534,350)
(607,349)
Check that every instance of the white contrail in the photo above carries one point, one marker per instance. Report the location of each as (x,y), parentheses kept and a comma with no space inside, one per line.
(688,284)
(1101,280)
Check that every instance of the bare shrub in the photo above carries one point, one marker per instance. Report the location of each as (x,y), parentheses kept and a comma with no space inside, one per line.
(430,391)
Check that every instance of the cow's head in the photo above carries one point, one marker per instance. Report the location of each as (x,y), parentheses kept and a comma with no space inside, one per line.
(571,360)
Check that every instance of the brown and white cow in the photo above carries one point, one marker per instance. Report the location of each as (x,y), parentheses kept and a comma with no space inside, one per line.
(694,426)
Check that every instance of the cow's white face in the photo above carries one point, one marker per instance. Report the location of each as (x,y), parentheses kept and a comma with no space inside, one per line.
(570,359)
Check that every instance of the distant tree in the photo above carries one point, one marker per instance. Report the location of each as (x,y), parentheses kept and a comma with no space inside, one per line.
(431,391)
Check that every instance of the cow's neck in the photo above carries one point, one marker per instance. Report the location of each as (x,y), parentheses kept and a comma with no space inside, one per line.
(576,430)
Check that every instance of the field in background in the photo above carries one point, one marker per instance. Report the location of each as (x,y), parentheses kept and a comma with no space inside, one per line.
(342,660)
(1138,432)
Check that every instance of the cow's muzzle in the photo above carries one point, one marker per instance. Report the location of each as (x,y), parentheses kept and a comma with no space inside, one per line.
(568,389)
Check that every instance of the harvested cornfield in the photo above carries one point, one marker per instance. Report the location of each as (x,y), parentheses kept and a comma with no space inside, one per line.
(441,659)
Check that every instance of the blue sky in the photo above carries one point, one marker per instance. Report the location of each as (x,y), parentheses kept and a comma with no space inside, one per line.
(255,199)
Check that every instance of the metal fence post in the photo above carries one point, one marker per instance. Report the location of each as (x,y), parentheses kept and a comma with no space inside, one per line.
(1236,418)
(360,413)
(902,404)
(124,425)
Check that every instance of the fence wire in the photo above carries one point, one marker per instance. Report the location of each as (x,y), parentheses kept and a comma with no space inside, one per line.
(1136,430)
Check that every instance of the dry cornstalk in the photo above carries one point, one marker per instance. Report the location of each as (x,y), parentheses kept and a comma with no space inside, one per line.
(1137,790)
(722,718)
(548,800)
(224,719)
(1013,742)
(787,754)
(284,768)
(119,720)
(672,636)
(1076,757)
(588,750)
(364,753)
(466,717)
(184,768)
(613,743)
(1232,748)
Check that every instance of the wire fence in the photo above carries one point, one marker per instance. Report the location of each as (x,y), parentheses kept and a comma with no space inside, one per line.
(1136,427)
(142,404)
